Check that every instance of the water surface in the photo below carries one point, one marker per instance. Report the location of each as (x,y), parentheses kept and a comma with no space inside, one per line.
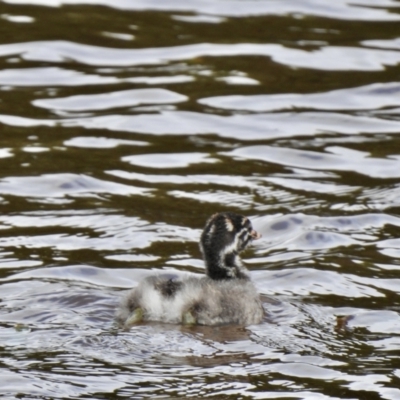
(126,124)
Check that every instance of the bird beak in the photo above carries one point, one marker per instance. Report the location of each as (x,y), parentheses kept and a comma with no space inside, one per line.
(255,235)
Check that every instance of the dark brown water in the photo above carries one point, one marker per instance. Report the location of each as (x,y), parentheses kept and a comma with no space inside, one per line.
(124,124)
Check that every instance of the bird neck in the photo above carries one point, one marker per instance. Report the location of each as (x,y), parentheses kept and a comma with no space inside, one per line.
(225,266)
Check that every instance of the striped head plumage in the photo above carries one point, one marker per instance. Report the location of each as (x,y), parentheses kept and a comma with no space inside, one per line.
(224,237)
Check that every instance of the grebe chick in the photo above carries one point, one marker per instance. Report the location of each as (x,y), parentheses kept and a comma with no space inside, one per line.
(225,295)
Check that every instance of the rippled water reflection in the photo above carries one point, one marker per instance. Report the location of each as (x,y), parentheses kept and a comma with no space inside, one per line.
(125,124)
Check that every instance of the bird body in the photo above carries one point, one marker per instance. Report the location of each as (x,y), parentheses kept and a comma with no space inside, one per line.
(225,295)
